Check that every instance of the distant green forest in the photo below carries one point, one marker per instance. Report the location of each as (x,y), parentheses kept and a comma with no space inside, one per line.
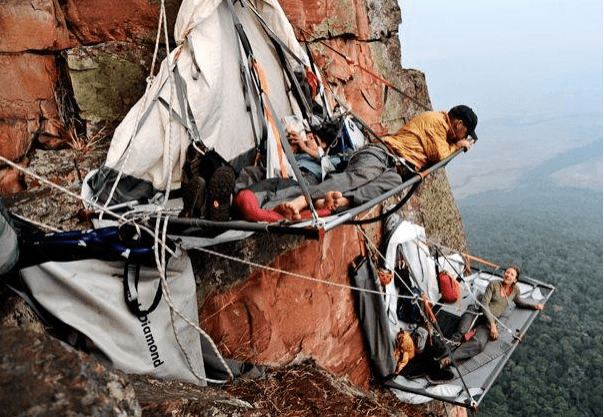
(555,235)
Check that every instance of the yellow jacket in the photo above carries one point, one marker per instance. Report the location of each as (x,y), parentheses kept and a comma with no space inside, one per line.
(404,350)
(424,140)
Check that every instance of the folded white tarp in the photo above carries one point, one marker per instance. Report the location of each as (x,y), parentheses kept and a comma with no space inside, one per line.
(150,145)
(408,239)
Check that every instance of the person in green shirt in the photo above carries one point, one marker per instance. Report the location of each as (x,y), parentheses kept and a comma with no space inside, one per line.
(475,328)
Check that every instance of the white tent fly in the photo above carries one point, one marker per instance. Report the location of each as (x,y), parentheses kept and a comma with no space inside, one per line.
(214,90)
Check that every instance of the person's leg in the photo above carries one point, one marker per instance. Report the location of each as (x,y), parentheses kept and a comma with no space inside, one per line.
(385,182)
(364,167)
(474,346)
(467,321)
(253,192)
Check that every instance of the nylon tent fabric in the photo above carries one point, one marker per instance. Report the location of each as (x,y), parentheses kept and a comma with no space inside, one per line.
(150,146)
(88,296)
(9,247)
(410,238)
(372,316)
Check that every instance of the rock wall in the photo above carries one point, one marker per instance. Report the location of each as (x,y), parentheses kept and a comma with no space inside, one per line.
(73,68)
(276,318)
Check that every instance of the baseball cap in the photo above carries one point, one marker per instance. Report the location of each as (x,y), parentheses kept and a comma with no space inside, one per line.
(467,116)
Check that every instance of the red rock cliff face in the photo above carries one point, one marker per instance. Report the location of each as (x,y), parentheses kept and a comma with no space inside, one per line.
(276,318)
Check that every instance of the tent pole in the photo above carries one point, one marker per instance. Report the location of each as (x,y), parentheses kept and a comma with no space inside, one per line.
(246,226)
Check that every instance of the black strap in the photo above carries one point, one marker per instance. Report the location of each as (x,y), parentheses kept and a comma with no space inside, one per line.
(291,159)
(281,48)
(132,273)
(250,79)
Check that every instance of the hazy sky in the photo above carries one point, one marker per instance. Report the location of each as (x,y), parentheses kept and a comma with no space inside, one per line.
(531,70)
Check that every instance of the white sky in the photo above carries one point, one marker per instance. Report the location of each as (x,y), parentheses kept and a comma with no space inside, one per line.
(529,62)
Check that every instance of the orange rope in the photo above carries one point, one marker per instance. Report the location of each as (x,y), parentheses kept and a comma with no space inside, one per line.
(271,117)
(352,64)
(474,258)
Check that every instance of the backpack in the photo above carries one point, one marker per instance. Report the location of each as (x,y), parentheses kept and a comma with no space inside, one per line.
(408,309)
(449,287)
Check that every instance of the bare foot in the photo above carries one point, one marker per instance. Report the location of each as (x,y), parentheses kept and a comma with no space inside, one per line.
(332,201)
(291,209)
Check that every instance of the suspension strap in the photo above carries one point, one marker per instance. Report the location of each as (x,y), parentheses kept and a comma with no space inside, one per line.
(250,81)
(292,161)
(281,48)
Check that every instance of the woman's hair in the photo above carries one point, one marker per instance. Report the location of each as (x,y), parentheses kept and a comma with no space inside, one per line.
(517,269)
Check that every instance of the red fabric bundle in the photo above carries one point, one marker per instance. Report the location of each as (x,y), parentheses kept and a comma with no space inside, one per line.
(449,287)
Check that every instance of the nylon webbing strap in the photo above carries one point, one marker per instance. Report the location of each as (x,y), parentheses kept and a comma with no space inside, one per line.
(185,107)
(282,136)
(246,80)
(292,161)
(272,34)
(280,47)
(195,71)
(145,115)
(175,115)
(141,121)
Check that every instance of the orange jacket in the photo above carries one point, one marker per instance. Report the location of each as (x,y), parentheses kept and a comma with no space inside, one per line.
(424,140)
(404,350)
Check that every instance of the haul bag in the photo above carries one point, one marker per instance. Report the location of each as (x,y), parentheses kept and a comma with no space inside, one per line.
(88,295)
(372,316)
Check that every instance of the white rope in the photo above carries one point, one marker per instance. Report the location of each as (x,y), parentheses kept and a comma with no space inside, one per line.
(143,100)
(161,266)
(58,187)
(161,261)
(293,274)
(124,220)
(172,86)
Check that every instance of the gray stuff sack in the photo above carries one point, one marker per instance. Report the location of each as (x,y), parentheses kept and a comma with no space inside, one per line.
(9,248)
(88,295)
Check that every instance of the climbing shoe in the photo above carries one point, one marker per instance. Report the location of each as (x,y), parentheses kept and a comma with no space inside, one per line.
(220,191)
(193,198)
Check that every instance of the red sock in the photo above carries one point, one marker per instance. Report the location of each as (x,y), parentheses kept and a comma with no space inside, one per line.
(469,335)
(306,214)
(247,203)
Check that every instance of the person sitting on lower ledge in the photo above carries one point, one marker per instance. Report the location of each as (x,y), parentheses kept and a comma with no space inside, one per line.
(476,326)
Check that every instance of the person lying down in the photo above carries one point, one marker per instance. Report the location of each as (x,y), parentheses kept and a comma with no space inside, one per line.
(372,170)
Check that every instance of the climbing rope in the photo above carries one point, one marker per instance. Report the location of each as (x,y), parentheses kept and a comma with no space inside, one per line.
(354,64)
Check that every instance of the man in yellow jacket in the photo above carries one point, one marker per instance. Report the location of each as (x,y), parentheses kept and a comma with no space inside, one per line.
(432,136)
(372,170)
